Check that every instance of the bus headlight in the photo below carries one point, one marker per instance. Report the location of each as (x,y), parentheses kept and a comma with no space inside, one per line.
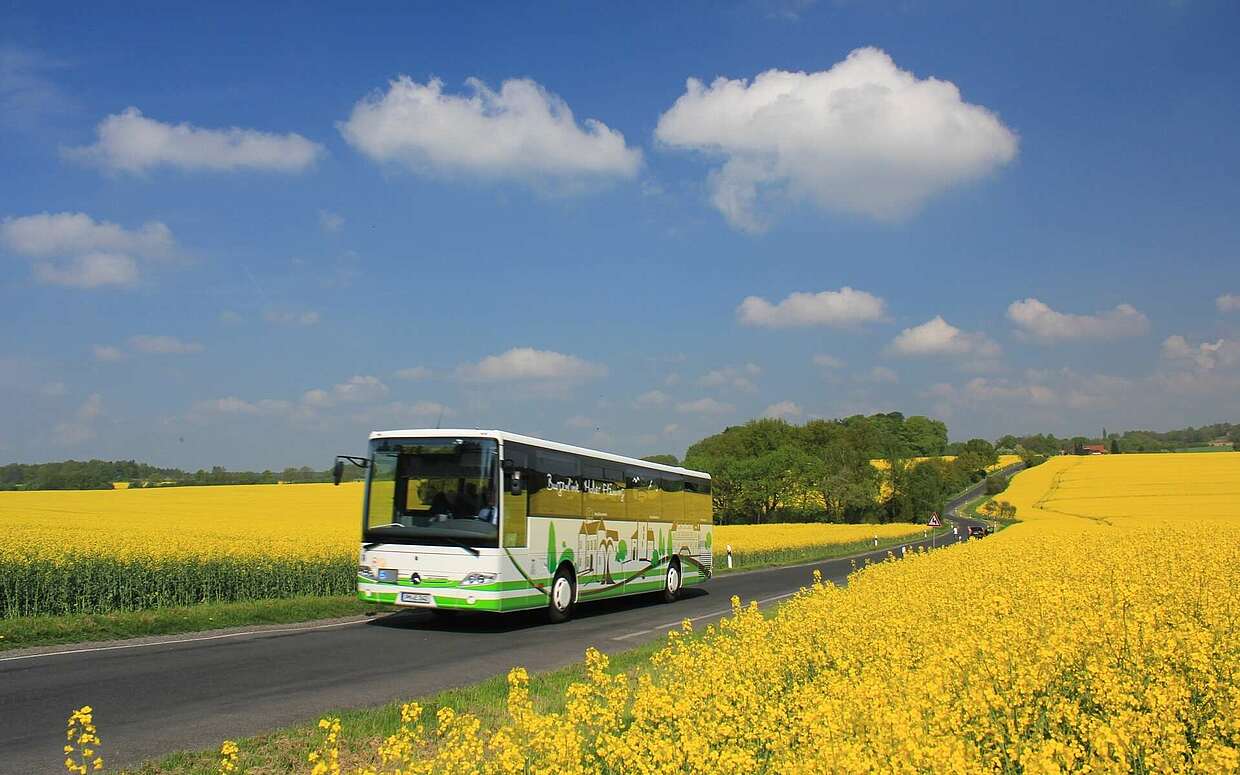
(475,579)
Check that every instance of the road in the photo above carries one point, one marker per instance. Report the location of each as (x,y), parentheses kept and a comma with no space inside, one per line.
(192,691)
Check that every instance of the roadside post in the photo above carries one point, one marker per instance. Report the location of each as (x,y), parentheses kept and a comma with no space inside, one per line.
(729,556)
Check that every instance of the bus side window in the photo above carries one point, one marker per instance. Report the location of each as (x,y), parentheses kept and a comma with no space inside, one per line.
(516,481)
(555,484)
(673,498)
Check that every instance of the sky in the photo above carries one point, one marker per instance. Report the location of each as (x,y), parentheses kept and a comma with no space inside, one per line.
(248,235)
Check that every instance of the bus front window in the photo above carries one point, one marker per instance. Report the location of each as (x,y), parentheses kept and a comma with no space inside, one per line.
(432,491)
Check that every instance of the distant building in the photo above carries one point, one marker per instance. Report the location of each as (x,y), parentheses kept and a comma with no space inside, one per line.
(1095,449)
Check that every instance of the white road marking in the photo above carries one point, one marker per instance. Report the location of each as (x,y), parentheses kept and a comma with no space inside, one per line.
(678,622)
(221,636)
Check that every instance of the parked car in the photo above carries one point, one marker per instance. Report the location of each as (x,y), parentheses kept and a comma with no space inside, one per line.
(977,531)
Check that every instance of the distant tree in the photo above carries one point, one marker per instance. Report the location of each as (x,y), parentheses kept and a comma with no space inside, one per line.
(667,460)
(1114,446)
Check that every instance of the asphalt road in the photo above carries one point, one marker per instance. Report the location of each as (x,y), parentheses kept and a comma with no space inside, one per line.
(194,690)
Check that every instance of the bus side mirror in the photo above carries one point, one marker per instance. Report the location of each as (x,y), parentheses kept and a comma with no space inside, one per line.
(337,471)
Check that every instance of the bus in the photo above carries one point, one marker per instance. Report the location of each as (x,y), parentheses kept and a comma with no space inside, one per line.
(487,520)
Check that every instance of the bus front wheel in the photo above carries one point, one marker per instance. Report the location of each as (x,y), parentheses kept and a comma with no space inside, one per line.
(560,604)
(672,582)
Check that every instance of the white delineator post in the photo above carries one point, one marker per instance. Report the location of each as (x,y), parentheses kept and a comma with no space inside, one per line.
(875,542)
(729,556)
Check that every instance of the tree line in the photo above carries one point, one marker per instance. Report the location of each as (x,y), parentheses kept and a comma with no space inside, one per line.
(773,470)
(102,474)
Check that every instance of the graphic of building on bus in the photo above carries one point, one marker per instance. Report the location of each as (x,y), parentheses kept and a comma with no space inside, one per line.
(596,546)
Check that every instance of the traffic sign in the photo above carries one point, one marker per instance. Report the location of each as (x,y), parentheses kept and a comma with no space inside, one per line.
(934,521)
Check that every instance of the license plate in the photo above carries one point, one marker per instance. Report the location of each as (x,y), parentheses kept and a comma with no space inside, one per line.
(415,597)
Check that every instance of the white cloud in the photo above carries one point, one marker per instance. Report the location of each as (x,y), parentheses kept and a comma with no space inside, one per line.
(1041,322)
(650,399)
(360,389)
(938,337)
(1228,302)
(526,363)
(879,375)
(402,413)
(783,410)
(414,373)
(826,308)
(737,377)
(130,142)
(162,345)
(828,362)
(82,427)
(1206,355)
(330,222)
(92,270)
(863,137)
(705,406)
(75,250)
(107,353)
(28,95)
(521,132)
(1062,389)
(287,317)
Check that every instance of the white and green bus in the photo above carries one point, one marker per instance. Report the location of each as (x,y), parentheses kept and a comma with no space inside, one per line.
(486,520)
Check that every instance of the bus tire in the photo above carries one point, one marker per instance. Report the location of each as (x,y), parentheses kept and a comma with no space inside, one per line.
(562,593)
(673,582)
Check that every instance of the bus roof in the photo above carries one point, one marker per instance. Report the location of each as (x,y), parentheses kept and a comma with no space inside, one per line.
(424,433)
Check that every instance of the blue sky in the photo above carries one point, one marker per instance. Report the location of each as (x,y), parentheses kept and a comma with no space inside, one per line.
(247,236)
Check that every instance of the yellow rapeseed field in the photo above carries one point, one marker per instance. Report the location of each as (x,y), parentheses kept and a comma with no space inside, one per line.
(1102,635)
(764,544)
(92,551)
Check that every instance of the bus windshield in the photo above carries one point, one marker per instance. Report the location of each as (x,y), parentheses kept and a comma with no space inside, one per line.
(432,491)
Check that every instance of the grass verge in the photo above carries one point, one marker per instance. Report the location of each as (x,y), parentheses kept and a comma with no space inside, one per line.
(744,561)
(23,631)
(362,730)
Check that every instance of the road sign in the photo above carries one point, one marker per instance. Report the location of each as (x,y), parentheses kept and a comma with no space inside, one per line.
(934,521)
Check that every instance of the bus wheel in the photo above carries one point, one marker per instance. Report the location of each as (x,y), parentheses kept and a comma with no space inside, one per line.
(671,583)
(560,606)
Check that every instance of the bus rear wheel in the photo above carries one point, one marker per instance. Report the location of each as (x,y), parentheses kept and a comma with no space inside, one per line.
(672,582)
(560,602)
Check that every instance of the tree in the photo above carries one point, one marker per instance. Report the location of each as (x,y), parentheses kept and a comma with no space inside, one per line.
(848,481)
(772,478)
(1114,446)
(667,460)
(622,551)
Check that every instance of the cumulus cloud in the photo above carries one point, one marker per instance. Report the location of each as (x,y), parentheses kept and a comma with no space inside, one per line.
(360,389)
(650,399)
(75,250)
(130,142)
(828,362)
(862,137)
(783,410)
(1062,389)
(879,375)
(1205,355)
(1043,323)
(520,132)
(330,222)
(736,377)
(938,337)
(107,353)
(705,406)
(526,363)
(162,345)
(291,317)
(826,308)
(81,427)
(1228,302)
(414,373)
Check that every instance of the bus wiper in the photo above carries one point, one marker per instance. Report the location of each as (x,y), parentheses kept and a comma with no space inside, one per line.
(462,544)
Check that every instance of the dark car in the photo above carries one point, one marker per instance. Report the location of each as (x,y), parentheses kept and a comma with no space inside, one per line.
(977,531)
